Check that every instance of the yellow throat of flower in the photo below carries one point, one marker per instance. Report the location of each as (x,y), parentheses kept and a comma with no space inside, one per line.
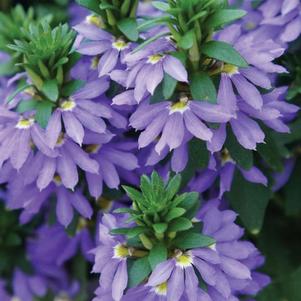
(121,251)
(95,20)
(230,69)
(24,123)
(120,44)
(161,289)
(68,105)
(183,260)
(155,58)
(180,106)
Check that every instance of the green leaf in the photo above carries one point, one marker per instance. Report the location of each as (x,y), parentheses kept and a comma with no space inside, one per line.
(198,158)
(250,201)
(90,4)
(161,5)
(186,41)
(224,52)
(157,255)
(27,105)
(43,113)
(174,213)
(133,193)
(203,88)
(160,228)
(269,151)
(239,154)
(292,191)
(51,90)
(191,204)
(129,28)
(125,210)
(173,186)
(224,16)
(169,86)
(133,232)
(179,224)
(120,231)
(192,240)
(72,86)
(138,271)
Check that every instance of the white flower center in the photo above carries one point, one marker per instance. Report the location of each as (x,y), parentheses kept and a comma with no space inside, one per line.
(68,105)
(25,123)
(213,247)
(15,299)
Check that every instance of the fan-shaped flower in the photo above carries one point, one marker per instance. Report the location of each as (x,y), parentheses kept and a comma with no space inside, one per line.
(78,112)
(173,120)
(100,42)
(111,261)
(146,68)
(18,133)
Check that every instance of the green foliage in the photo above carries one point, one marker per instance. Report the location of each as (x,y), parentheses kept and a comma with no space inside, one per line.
(250,201)
(224,52)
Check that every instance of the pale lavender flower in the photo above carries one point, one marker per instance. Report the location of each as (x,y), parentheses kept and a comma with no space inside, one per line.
(79,112)
(260,57)
(17,134)
(97,41)
(113,157)
(273,112)
(26,287)
(174,120)
(221,166)
(146,68)
(286,15)
(110,261)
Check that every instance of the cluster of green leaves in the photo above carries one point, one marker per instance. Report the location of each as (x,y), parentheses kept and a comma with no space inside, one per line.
(47,58)
(163,223)
(160,214)
(14,26)
(118,17)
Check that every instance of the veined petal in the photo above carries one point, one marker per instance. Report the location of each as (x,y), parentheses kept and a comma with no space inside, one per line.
(175,68)
(73,127)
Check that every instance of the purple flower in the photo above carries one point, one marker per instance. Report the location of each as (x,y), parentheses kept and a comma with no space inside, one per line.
(4,296)
(112,158)
(286,15)
(111,261)
(159,293)
(100,42)
(260,56)
(146,68)
(222,166)
(174,120)
(26,287)
(273,112)
(17,135)
(78,112)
